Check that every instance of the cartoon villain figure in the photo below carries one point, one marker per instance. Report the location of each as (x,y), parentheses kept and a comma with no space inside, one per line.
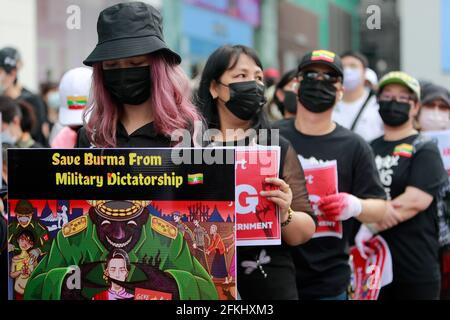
(24,216)
(160,259)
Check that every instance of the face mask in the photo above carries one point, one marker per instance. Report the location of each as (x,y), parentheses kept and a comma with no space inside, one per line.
(290,101)
(317,96)
(431,120)
(394,113)
(246,99)
(53,100)
(8,138)
(352,79)
(128,85)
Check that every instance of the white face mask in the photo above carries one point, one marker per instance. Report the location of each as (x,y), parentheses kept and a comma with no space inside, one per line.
(7,137)
(53,100)
(352,79)
(434,120)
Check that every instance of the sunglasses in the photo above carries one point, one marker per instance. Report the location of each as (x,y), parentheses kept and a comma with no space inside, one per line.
(331,77)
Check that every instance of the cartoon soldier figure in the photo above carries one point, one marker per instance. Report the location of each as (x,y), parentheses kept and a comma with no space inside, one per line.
(24,216)
(160,259)
(200,244)
(182,228)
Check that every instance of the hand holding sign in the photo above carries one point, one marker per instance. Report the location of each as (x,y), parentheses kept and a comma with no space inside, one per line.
(281,197)
(340,207)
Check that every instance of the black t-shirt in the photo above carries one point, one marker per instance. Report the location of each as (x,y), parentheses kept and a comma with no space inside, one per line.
(414,243)
(323,263)
(144,137)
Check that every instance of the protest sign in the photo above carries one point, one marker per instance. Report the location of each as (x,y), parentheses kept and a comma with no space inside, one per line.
(119,224)
(322,180)
(257,218)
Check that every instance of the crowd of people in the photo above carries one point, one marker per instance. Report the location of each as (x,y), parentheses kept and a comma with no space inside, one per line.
(391,180)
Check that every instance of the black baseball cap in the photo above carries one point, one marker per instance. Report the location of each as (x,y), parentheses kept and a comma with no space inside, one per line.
(432,92)
(324,57)
(9,57)
(127,30)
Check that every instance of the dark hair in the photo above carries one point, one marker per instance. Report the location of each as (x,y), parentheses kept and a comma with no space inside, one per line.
(28,234)
(47,86)
(221,60)
(29,120)
(285,79)
(9,109)
(357,55)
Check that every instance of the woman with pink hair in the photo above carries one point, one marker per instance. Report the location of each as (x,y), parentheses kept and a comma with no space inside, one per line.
(139,93)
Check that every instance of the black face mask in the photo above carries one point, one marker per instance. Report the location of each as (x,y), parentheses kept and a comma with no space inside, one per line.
(394,113)
(317,96)
(246,99)
(290,101)
(128,85)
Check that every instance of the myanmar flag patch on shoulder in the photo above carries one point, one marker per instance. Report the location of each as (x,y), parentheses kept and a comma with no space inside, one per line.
(323,55)
(404,150)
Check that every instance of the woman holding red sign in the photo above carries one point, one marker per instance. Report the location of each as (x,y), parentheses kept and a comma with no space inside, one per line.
(231,96)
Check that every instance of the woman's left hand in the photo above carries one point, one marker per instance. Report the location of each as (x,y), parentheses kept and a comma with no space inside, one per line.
(281,197)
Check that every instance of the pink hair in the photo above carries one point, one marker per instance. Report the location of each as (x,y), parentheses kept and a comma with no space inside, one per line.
(170,101)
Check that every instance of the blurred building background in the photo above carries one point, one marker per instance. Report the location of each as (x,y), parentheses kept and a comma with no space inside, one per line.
(412,34)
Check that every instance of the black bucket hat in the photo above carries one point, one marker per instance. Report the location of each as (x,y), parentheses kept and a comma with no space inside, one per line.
(127,30)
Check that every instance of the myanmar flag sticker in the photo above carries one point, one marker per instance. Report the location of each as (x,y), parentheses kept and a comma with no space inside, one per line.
(404,150)
(76,102)
(323,55)
(196,178)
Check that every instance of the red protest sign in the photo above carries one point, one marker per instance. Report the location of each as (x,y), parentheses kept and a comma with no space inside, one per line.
(257,219)
(322,180)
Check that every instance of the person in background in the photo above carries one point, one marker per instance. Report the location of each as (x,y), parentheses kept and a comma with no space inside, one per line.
(74,90)
(18,120)
(358,110)
(285,97)
(10,65)
(50,96)
(271,78)
(412,172)
(371,80)
(27,124)
(323,271)
(434,115)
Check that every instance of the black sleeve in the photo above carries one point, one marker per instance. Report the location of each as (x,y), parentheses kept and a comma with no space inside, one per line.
(366,180)
(292,173)
(427,169)
(82,139)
